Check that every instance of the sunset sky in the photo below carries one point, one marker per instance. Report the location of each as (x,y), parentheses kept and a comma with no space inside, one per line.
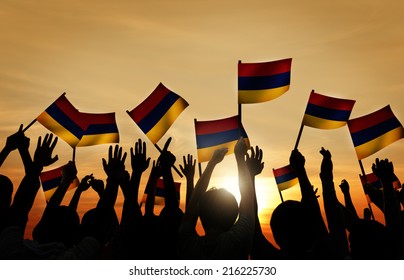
(108,56)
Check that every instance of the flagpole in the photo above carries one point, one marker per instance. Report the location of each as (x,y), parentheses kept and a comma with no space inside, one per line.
(280,193)
(299,135)
(239,114)
(29,125)
(74,154)
(175,168)
(200,169)
(366,182)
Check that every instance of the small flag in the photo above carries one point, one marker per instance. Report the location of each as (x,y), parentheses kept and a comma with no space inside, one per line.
(63,119)
(216,134)
(157,112)
(160,192)
(285,177)
(375,131)
(51,180)
(326,112)
(263,81)
(372,179)
(101,129)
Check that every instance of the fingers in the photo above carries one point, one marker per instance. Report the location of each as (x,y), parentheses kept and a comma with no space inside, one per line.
(167,144)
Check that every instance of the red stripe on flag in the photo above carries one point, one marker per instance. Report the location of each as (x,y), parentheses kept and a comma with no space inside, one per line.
(370,120)
(144,108)
(51,174)
(331,102)
(282,171)
(216,126)
(264,68)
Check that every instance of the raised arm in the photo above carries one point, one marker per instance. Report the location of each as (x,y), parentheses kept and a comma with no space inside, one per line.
(191,213)
(26,193)
(115,170)
(384,170)
(140,162)
(166,160)
(155,174)
(188,169)
(309,198)
(84,185)
(335,216)
(261,248)
(344,186)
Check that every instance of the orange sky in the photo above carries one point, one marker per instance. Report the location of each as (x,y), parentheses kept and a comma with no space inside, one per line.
(109,55)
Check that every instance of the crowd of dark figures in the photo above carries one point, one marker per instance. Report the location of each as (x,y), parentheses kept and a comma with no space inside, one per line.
(232,230)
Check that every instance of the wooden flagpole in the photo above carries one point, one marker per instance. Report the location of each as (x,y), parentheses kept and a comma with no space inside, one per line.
(199,164)
(74,154)
(299,135)
(366,181)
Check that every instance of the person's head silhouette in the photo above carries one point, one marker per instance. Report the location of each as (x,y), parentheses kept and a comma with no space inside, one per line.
(58,224)
(293,228)
(218,209)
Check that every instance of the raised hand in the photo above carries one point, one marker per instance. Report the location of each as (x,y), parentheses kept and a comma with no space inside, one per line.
(85,183)
(166,159)
(326,165)
(188,169)
(384,170)
(139,160)
(254,162)
(16,140)
(344,186)
(240,149)
(98,186)
(297,160)
(115,166)
(69,172)
(218,155)
(43,153)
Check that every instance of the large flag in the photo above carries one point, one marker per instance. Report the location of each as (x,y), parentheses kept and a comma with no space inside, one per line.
(51,180)
(157,112)
(100,129)
(216,134)
(285,177)
(63,119)
(326,112)
(263,81)
(373,132)
(160,192)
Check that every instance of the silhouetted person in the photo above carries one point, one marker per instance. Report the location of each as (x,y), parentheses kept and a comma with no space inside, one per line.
(297,226)
(261,248)
(188,169)
(225,238)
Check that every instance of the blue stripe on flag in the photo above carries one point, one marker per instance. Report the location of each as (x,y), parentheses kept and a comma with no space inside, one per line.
(264,82)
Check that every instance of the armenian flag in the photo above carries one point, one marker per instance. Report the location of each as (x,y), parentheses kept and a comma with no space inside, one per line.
(215,134)
(325,112)
(285,177)
(263,81)
(63,119)
(372,179)
(51,180)
(157,112)
(100,129)
(375,131)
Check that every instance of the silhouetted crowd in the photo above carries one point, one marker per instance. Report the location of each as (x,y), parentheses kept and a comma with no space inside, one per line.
(232,230)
